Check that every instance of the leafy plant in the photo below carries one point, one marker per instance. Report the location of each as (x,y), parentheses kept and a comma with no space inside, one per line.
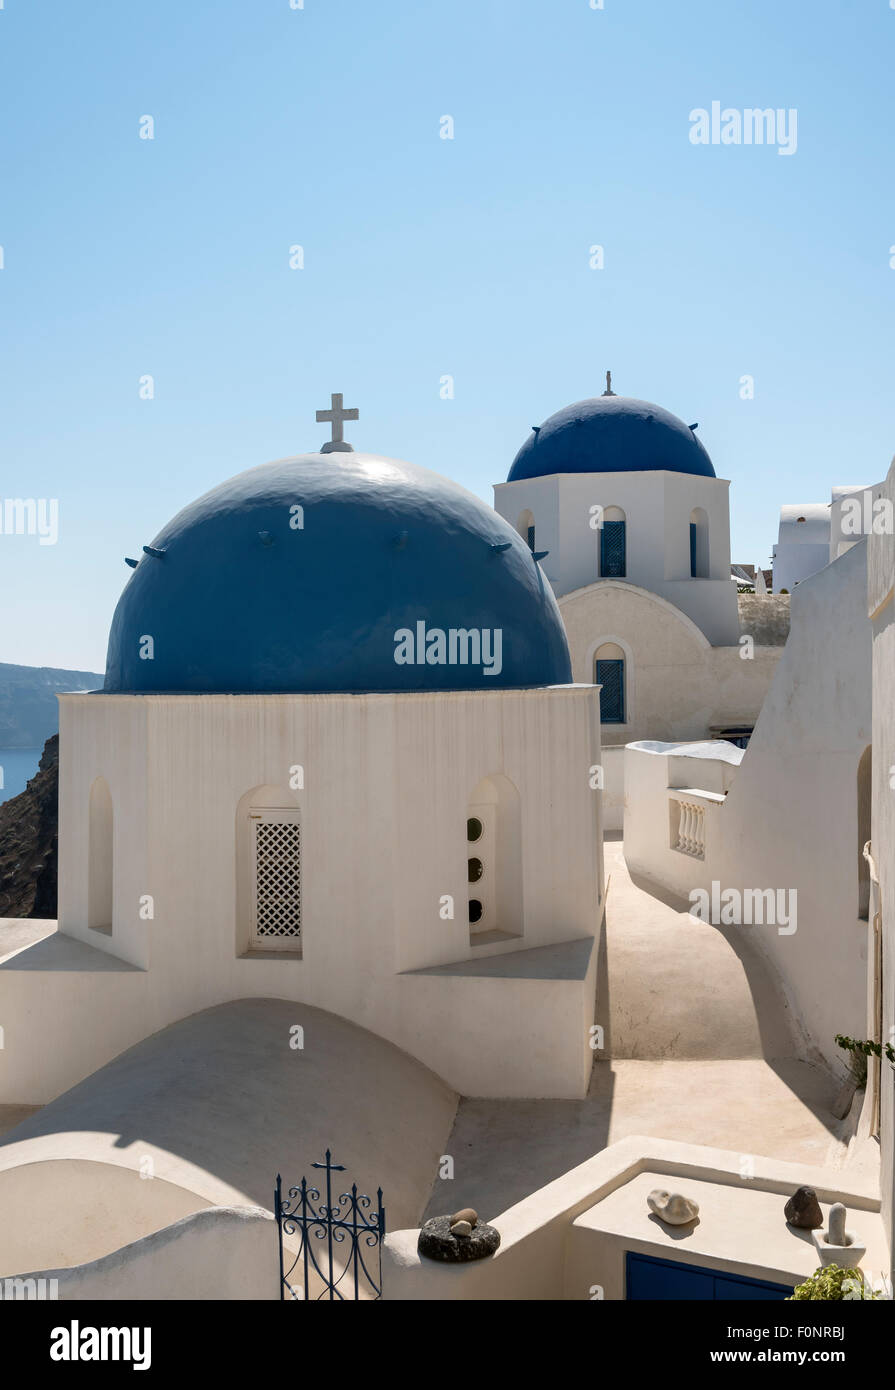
(833,1283)
(859,1049)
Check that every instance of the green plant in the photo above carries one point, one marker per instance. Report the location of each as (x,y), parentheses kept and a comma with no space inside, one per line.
(859,1049)
(833,1283)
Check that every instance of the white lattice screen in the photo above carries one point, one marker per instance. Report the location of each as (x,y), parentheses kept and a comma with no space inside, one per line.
(277,898)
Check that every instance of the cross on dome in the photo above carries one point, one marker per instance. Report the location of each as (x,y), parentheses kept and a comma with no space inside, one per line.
(337,415)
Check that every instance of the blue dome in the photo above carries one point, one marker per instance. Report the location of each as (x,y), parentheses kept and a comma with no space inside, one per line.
(299,576)
(611,434)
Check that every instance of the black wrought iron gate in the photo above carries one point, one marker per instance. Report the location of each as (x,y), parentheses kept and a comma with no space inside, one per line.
(350,1231)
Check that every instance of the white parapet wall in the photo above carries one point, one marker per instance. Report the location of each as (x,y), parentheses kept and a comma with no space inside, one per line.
(221,1253)
(569,1239)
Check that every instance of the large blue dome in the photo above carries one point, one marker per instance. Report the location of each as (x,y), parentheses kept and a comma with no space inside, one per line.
(297,576)
(611,434)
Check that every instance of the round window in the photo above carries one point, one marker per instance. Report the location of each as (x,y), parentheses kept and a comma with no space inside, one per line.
(474,870)
(474,829)
(475,910)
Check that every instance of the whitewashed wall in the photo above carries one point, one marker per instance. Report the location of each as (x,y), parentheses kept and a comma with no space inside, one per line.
(219,1253)
(790,819)
(387,779)
(881,608)
(657,507)
(677,685)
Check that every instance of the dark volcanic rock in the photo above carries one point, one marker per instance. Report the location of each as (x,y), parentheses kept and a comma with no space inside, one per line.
(437,1242)
(803,1210)
(28,842)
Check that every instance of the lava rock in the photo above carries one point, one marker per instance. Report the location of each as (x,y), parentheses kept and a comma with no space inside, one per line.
(437,1242)
(803,1210)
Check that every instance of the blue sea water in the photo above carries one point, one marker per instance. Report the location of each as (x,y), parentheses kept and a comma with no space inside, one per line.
(16,766)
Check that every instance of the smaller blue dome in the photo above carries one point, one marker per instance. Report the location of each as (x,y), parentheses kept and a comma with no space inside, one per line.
(611,434)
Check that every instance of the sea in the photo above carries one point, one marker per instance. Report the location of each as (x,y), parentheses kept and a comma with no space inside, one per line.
(16,766)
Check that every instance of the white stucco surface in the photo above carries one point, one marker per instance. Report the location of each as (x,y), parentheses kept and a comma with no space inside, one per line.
(881,610)
(210,1110)
(657,506)
(219,1253)
(540,1256)
(677,684)
(789,820)
(387,782)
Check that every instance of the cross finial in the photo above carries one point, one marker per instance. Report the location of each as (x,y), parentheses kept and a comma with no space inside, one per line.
(337,415)
(609,391)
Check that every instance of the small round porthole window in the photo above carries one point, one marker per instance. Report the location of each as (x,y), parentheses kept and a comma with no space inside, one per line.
(474,829)
(475,910)
(474,870)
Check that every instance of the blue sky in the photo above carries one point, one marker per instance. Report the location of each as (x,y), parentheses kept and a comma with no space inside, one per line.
(424,257)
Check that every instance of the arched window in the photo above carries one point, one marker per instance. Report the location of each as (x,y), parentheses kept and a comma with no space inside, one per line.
(699,544)
(268,872)
(865,785)
(526,528)
(494,860)
(613,544)
(100,870)
(609,673)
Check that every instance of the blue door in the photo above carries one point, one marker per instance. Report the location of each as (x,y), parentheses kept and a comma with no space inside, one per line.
(648,1278)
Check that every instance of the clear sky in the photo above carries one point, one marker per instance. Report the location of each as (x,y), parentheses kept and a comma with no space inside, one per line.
(424,257)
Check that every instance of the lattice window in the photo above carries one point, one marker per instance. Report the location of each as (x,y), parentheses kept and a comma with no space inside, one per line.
(612,550)
(611,676)
(277,897)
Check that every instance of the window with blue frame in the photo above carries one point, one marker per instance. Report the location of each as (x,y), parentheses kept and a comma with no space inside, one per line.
(610,674)
(612,550)
(692,549)
(531,538)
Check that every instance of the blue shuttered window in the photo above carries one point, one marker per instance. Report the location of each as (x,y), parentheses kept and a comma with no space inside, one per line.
(612,550)
(611,676)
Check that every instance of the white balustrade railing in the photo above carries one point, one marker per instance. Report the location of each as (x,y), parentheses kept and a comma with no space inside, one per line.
(691,829)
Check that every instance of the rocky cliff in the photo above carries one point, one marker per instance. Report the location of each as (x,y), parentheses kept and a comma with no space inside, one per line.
(29,842)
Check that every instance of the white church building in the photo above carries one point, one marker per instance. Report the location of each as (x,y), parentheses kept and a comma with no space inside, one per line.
(333,874)
(619,500)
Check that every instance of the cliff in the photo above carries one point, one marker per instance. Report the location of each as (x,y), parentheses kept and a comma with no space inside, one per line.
(29,842)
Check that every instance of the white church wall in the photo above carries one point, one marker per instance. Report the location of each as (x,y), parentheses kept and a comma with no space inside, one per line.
(50,998)
(110,744)
(677,685)
(657,507)
(881,609)
(386,787)
(535,502)
(790,819)
(220,1253)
